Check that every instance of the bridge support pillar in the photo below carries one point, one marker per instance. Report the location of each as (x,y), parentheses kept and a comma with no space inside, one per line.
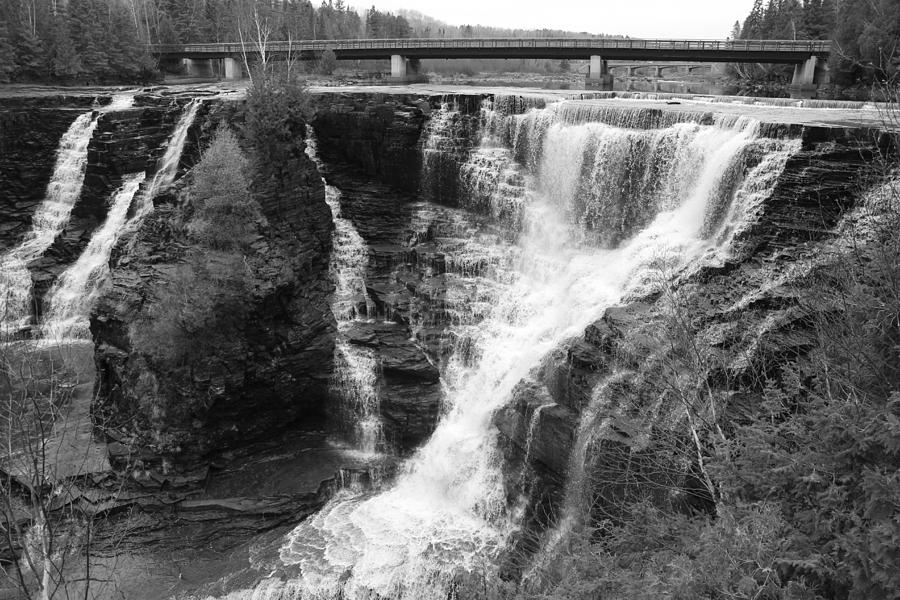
(658,72)
(197,67)
(806,79)
(398,67)
(405,70)
(232,68)
(599,75)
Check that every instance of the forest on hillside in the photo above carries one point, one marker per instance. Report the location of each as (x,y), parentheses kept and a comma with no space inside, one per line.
(866,34)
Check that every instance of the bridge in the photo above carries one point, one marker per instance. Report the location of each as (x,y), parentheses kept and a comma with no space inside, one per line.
(658,70)
(404,54)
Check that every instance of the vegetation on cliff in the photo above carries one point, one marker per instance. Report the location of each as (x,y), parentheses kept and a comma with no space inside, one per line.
(796,448)
(202,306)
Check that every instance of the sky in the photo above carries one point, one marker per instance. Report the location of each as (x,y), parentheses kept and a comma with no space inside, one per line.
(698,19)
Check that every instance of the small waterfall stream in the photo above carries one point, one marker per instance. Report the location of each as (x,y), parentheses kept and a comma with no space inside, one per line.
(167,166)
(603,206)
(51,216)
(74,293)
(355,379)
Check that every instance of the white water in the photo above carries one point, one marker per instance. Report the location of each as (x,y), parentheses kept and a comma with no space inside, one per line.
(50,218)
(355,378)
(447,513)
(72,296)
(166,168)
(74,293)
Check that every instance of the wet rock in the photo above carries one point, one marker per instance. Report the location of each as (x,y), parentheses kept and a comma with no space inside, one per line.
(257,383)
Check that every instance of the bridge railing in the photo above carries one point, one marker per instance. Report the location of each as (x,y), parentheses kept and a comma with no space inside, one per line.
(811,47)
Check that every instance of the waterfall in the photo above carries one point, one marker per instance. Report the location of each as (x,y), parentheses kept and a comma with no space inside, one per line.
(72,296)
(355,379)
(50,218)
(607,212)
(166,167)
(74,293)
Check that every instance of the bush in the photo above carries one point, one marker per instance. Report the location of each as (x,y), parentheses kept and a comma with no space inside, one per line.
(277,101)
(327,63)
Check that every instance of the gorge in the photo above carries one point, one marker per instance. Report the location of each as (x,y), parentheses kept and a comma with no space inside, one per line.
(461,336)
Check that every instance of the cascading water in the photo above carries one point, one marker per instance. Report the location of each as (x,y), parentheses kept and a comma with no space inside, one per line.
(355,379)
(167,166)
(608,213)
(50,218)
(74,293)
(72,296)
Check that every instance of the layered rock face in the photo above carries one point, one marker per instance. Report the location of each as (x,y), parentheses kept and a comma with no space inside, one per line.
(377,133)
(274,371)
(123,142)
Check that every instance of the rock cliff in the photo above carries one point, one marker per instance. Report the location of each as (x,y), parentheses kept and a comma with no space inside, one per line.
(272,372)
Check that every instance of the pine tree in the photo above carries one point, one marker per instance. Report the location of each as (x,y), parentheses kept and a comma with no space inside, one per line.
(754,23)
(31,57)
(64,60)
(7,53)
(89,31)
(128,57)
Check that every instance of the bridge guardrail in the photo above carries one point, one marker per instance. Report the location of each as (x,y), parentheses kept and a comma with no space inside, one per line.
(812,47)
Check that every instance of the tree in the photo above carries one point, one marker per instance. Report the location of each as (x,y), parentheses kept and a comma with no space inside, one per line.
(129,59)
(327,63)
(89,30)
(65,62)
(7,53)
(753,25)
(31,56)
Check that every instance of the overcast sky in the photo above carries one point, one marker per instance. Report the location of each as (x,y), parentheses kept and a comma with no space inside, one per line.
(637,18)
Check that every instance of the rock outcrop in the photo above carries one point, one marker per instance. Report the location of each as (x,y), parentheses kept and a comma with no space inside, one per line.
(378,133)
(258,382)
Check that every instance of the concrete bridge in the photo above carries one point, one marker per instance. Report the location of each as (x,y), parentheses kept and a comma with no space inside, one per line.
(404,54)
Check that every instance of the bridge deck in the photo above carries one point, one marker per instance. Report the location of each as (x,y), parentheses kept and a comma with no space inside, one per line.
(772,51)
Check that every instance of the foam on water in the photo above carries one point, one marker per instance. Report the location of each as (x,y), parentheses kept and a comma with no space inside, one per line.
(50,218)
(74,293)
(447,515)
(355,379)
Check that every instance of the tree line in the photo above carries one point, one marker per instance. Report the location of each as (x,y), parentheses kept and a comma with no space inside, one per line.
(106,41)
(866,33)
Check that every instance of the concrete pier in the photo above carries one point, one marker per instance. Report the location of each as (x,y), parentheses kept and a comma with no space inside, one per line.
(808,76)
(599,76)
